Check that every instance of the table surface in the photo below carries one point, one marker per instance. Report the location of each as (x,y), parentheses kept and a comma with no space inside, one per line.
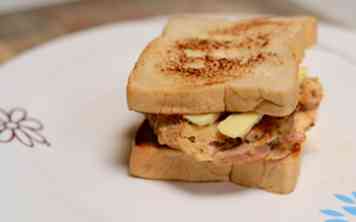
(23,30)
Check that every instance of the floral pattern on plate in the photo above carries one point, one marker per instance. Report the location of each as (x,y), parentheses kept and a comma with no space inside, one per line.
(349,207)
(16,125)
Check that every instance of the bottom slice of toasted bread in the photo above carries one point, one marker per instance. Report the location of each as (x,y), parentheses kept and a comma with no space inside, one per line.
(278,176)
(153,161)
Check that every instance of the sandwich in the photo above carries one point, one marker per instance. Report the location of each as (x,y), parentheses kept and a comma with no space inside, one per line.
(225,101)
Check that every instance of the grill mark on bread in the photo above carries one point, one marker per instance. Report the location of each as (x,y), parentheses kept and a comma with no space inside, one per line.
(203,44)
(211,68)
(257,41)
(208,68)
(241,27)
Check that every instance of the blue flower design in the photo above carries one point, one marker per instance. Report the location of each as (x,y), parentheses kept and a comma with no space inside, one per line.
(348,208)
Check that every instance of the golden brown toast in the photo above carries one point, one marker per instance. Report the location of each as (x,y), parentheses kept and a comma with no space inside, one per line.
(152,161)
(205,65)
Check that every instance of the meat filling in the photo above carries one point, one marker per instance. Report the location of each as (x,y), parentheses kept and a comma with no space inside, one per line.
(271,138)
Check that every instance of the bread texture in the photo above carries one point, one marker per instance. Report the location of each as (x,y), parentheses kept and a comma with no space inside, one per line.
(149,160)
(277,176)
(205,65)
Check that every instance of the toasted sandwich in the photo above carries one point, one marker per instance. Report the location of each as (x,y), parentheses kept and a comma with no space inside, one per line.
(225,100)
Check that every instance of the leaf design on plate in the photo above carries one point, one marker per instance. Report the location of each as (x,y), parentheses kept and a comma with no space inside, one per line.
(35,136)
(350,209)
(344,198)
(330,212)
(336,220)
(23,138)
(32,124)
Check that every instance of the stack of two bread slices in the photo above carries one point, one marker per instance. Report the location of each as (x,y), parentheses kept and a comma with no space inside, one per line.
(211,65)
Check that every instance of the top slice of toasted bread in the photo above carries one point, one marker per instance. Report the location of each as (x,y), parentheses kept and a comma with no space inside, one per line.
(204,65)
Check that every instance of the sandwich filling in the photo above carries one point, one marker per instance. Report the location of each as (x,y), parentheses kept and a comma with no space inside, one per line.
(241,137)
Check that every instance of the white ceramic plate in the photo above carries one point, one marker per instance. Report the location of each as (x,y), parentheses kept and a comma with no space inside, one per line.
(77,170)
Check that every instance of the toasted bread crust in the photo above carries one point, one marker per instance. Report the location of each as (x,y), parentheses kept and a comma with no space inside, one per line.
(278,176)
(152,161)
(167,80)
(148,161)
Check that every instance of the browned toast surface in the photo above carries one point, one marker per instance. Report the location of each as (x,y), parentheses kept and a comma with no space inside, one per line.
(207,65)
